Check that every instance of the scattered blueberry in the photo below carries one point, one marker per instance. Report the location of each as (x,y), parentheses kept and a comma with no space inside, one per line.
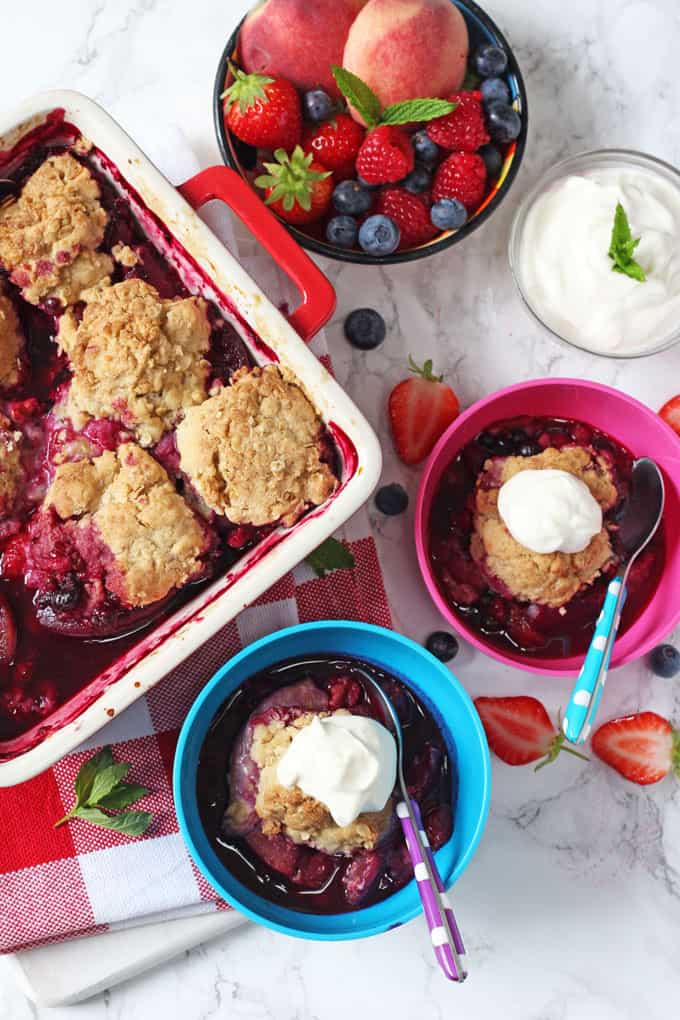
(665,661)
(529,450)
(443,645)
(490,61)
(365,328)
(418,180)
(425,149)
(493,160)
(379,235)
(504,122)
(352,198)
(317,105)
(391,499)
(494,90)
(342,231)
(448,214)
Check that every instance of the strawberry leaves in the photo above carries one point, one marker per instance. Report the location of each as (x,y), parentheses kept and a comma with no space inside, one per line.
(291,179)
(99,788)
(359,95)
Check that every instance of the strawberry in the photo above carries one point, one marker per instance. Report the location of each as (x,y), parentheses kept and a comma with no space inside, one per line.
(410,213)
(464,130)
(335,143)
(296,187)
(385,156)
(462,175)
(643,748)
(262,111)
(519,731)
(420,409)
(670,412)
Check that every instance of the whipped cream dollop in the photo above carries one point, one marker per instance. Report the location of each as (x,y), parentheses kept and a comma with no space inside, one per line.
(347,762)
(566,271)
(549,511)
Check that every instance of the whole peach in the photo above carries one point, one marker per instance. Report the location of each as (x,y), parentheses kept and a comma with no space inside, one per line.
(298,39)
(406,49)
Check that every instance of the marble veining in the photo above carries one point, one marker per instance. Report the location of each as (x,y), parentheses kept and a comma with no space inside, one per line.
(571,908)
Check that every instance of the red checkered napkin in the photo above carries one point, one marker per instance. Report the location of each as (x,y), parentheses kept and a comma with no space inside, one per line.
(57,884)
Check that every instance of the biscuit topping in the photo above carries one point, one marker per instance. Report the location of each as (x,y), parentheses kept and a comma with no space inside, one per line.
(10,343)
(550,579)
(253,451)
(136,358)
(155,540)
(49,236)
(11,471)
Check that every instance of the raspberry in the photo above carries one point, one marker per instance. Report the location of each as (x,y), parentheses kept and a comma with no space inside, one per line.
(462,175)
(464,130)
(385,156)
(411,215)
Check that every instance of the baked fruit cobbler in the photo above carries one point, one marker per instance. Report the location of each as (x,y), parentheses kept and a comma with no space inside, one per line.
(142,451)
(544,603)
(288,845)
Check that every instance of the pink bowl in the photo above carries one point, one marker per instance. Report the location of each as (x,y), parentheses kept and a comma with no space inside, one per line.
(627,420)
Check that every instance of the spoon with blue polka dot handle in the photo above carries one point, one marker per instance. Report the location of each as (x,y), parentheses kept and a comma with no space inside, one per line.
(444,933)
(638,525)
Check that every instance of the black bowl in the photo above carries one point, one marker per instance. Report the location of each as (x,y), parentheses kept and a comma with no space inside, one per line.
(481,29)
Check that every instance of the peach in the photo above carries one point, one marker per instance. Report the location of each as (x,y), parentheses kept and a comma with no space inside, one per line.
(298,39)
(406,49)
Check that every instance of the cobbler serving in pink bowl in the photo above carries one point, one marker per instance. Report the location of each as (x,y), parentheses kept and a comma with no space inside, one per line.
(523,604)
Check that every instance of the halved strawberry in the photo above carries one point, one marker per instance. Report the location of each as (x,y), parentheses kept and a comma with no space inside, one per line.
(262,111)
(421,409)
(644,748)
(296,187)
(670,412)
(519,731)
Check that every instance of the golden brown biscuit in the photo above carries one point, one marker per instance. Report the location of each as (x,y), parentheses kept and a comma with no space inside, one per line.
(11,471)
(11,342)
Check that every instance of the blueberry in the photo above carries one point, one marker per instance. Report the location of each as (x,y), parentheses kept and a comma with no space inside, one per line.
(65,597)
(504,123)
(518,436)
(490,61)
(493,161)
(418,180)
(529,450)
(665,661)
(342,231)
(379,235)
(448,214)
(352,198)
(317,105)
(442,645)
(494,90)
(486,439)
(425,149)
(391,499)
(365,328)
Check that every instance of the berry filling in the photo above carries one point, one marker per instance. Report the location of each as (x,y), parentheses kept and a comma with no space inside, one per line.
(485,603)
(299,875)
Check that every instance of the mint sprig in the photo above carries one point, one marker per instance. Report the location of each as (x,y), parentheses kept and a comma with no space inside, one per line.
(99,788)
(330,555)
(622,247)
(369,107)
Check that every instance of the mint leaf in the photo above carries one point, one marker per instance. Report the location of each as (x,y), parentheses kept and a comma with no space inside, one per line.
(623,245)
(359,95)
(88,771)
(106,780)
(122,796)
(130,823)
(331,555)
(412,110)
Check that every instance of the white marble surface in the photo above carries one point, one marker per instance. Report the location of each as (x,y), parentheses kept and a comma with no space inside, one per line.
(571,908)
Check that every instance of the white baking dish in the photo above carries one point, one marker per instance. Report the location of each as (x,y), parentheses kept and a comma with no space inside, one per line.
(269,335)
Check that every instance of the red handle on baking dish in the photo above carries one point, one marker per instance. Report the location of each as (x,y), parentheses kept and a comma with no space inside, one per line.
(318,296)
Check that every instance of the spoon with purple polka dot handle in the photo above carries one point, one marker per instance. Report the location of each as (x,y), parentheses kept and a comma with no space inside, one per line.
(444,933)
(640,521)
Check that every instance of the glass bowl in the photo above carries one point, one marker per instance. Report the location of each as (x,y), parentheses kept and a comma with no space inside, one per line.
(581,165)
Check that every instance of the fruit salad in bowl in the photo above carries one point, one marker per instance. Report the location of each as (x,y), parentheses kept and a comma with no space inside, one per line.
(517,523)
(379,131)
(285,778)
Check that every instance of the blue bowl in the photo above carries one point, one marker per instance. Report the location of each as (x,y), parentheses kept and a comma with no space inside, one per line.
(433,684)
